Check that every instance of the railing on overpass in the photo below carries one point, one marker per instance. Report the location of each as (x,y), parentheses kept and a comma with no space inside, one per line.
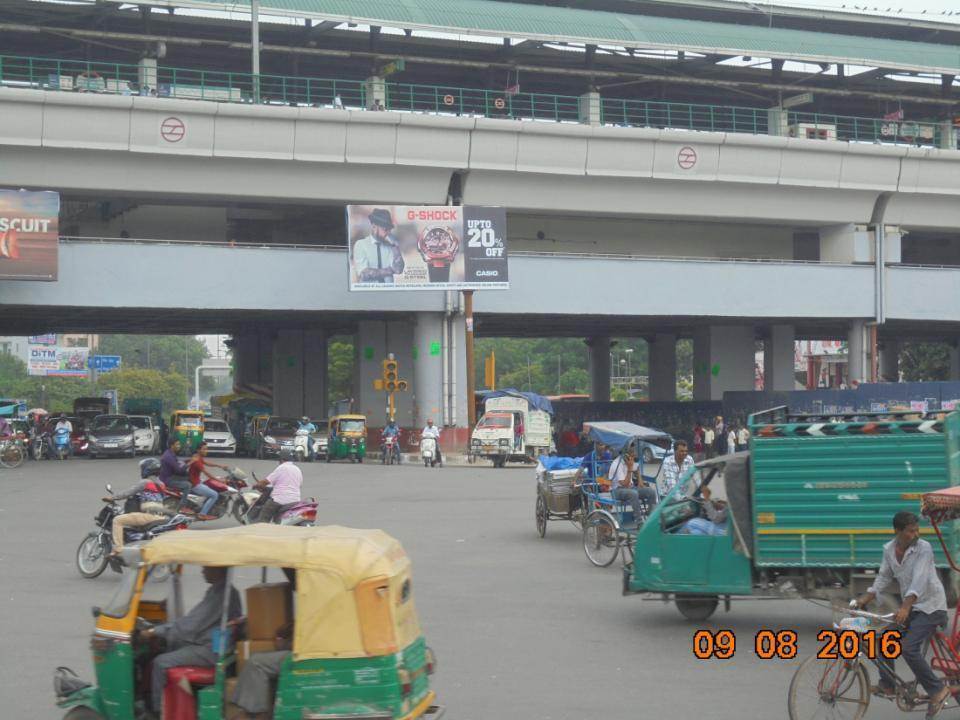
(220,86)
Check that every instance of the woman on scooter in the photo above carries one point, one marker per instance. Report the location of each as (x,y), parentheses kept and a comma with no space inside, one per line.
(198,465)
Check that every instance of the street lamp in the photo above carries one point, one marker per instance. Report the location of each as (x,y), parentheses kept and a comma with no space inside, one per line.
(629,352)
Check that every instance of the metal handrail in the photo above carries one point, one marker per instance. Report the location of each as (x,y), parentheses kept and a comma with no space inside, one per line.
(97,240)
(231,87)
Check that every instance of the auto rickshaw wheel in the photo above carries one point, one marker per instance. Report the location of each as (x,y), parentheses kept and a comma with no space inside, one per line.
(541,515)
(696,607)
(83,713)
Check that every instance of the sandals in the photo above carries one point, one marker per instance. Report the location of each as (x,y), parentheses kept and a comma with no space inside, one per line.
(937,702)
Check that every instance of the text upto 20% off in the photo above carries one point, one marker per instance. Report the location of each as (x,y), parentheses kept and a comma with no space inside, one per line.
(783,644)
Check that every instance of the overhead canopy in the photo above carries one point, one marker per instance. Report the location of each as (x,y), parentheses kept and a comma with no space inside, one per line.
(618,434)
(348,554)
(537,402)
(558,24)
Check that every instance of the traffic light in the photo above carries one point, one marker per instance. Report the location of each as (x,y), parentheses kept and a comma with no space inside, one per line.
(402,385)
(390,375)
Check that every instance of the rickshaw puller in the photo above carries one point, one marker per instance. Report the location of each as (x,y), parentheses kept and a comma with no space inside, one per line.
(910,561)
(190,638)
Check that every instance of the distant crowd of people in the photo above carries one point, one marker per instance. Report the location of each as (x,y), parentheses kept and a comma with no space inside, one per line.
(719,438)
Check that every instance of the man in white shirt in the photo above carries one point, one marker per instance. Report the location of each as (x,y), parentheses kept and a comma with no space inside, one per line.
(285,481)
(621,486)
(433,431)
(64,424)
(709,437)
(377,257)
(743,437)
(674,466)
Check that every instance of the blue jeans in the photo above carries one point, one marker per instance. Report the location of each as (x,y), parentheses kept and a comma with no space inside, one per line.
(632,495)
(702,526)
(209,493)
(920,627)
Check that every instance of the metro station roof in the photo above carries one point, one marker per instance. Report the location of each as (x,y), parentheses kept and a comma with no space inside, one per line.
(556,24)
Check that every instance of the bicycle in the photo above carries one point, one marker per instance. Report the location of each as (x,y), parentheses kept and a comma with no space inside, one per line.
(12,454)
(840,687)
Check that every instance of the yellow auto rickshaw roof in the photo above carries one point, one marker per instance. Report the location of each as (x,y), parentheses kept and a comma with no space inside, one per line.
(352,555)
(349,417)
(188,412)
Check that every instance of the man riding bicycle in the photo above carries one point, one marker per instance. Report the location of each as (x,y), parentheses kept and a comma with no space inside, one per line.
(910,561)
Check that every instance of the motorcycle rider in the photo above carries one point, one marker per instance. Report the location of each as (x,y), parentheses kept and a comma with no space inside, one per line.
(391,430)
(433,431)
(173,473)
(195,468)
(149,495)
(285,481)
(64,424)
(309,428)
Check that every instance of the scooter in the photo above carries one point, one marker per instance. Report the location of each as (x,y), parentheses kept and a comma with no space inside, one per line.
(301,446)
(302,514)
(231,496)
(428,451)
(61,443)
(390,450)
(93,555)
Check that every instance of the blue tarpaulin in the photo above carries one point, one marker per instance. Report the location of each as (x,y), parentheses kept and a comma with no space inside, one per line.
(617,434)
(560,463)
(537,402)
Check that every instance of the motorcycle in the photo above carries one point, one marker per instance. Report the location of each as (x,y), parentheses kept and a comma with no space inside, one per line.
(40,446)
(428,451)
(61,443)
(93,555)
(390,450)
(232,496)
(303,513)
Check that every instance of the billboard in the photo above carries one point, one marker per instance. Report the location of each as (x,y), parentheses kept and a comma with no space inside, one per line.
(55,361)
(29,228)
(49,339)
(427,247)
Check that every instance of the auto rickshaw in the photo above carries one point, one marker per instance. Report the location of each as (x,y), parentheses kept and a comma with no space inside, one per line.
(187,427)
(357,652)
(253,434)
(347,438)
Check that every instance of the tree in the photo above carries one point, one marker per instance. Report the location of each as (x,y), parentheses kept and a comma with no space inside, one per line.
(169,353)
(170,387)
(340,356)
(50,393)
(921,361)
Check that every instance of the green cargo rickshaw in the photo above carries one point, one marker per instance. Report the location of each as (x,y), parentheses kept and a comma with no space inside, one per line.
(347,438)
(187,427)
(807,510)
(357,650)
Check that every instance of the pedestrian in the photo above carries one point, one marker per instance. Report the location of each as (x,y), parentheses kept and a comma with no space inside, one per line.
(720,429)
(698,441)
(743,437)
(731,439)
(709,436)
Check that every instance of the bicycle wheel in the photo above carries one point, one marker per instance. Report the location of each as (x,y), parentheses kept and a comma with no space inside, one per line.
(12,456)
(601,541)
(541,515)
(829,690)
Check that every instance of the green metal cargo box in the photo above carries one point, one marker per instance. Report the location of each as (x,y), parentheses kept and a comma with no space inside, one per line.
(824,493)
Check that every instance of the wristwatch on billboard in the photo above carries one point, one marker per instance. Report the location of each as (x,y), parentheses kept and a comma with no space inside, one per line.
(438,247)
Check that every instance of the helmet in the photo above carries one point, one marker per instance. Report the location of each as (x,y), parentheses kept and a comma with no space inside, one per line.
(149,467)
(287,455)
(304,419)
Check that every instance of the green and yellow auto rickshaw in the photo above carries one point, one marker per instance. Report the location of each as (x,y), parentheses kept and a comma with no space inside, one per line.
(357,647)
(347,438)
(187,427)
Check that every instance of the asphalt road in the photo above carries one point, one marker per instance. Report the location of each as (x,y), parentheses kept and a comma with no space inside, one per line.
(523,628)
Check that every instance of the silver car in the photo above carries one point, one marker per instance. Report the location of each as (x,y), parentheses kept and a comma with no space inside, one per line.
(219,439)
(110,435)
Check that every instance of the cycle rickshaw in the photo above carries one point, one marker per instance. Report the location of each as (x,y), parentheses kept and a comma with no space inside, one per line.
(840,687)
(582,495)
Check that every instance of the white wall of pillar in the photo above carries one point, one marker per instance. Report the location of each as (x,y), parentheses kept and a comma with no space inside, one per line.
(778,352)
(723,359)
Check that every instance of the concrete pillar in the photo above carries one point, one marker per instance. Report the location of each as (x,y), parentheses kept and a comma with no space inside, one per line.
(599,368)
(374,340)
(777,122)
(375,89)
(147,73)
(948,135)
(288,374)
(723,359)
(428,374)
(590,108)
(954,361)
(315,363)
(254,353)
(858,361)
(662,362)
(778,359)
(889,361)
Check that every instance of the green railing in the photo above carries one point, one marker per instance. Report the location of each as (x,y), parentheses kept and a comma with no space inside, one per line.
(218,86)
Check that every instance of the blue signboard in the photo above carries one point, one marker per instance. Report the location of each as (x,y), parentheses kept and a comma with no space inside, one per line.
(105,363)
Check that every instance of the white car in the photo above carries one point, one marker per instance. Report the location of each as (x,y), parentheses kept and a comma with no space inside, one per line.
(146,437)
(218,437)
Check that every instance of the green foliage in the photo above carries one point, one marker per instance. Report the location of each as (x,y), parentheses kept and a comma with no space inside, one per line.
(169,353)
(920,361)
(340,357)
(170,387)
(50,393)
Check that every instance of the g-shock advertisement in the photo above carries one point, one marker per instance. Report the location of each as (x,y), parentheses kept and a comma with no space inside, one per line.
(427,247)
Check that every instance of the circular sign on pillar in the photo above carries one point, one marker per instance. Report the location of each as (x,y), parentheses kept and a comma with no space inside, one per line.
(173,129)
(686,157)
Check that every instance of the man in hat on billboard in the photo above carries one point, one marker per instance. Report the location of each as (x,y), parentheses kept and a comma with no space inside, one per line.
(376,257)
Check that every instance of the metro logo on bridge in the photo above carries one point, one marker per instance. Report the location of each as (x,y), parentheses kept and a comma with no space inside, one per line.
(431,247)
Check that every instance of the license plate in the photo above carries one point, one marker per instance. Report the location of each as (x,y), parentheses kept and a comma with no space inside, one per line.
(489,448)
(110,445)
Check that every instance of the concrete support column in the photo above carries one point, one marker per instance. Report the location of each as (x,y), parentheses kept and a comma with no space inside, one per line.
(375,339)
(147,73)
(778,359)
(723,359)
(254,353)
(777,122)
(375,89)
(315,363)
(288,373)
(954,361)
(662,362)
(948,136)
(599,368)
(889,361)
(590,108)
(858,348)
(428,371)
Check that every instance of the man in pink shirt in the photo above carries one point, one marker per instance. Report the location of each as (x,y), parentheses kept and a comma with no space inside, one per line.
(284,482)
